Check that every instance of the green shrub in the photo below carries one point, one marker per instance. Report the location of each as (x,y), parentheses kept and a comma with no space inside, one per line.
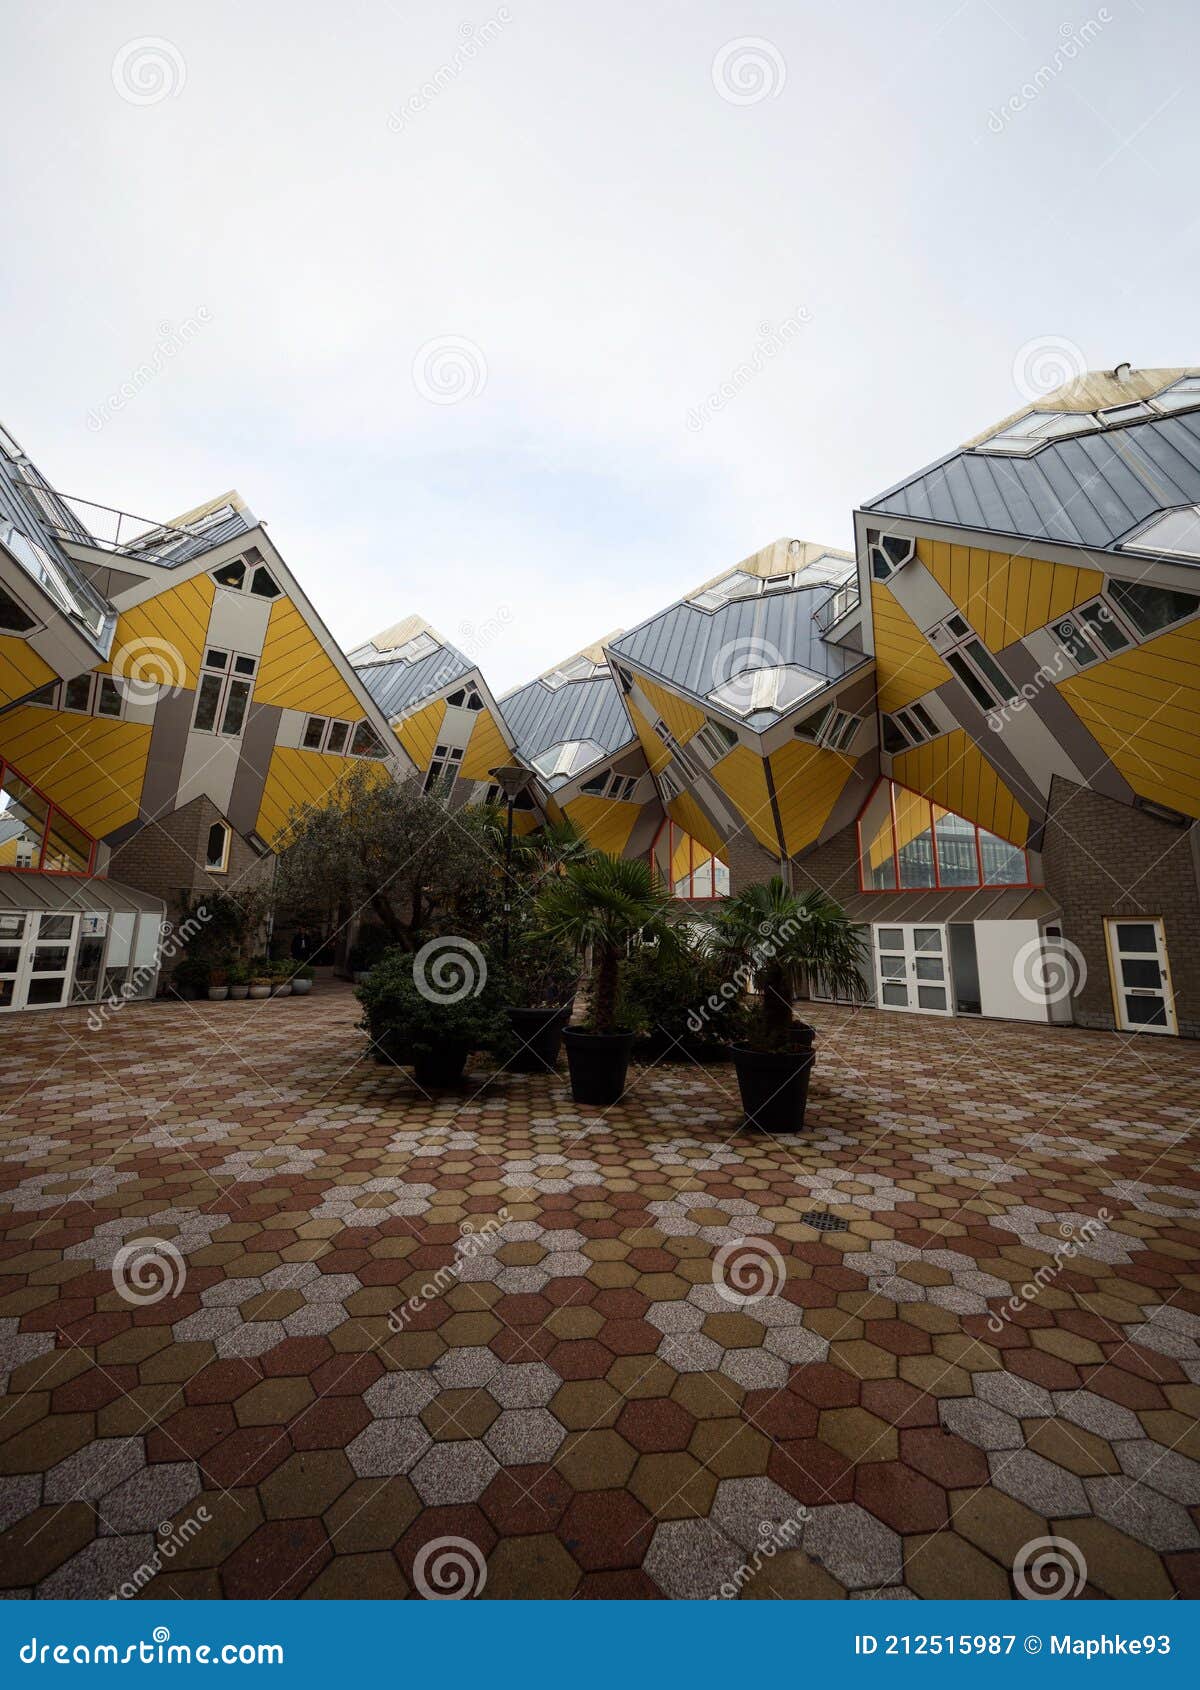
(405,1022)
(370,944)
(542,973)
(664,990)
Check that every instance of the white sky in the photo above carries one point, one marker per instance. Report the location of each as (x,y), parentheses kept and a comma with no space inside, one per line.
(581,204)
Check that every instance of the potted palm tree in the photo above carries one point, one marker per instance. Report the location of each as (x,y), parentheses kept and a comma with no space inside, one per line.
(542,978)
(599,907)
(777,942)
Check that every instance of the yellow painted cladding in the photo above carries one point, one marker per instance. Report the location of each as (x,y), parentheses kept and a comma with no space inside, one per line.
(685,811)
(682,718)
(418,733)
(606,823)
(92,768)
(955,774)
(808,782)
(906,665)
(486,749)
(688,857)
(164,637)
(1005,597)
(742,777)
(21,669)
(299,781)
(1143,707)
(657,754)
(297,673)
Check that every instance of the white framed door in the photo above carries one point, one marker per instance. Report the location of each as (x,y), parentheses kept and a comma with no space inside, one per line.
(912,969)
(36,963)
(1141,975)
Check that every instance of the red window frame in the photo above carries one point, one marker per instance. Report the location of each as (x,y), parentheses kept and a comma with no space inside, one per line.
(52,809)
(938,886)
(691,895)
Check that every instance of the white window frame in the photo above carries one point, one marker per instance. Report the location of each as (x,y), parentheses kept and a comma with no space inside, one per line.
(949,643)
(444,768)
(883,561)
(96,691)
(710,739)
(221,867)
(835,728)
(909,951)
(228,675)
(249,569)
(1076,628)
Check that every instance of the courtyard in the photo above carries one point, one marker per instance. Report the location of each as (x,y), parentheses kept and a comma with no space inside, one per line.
(275,1324)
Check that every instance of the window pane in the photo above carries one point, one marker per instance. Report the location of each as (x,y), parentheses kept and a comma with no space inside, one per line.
(245,665)
(1003,864)
(931,997)
(230,574)
(896,995)
(877,842)
(208,700)
(214,659)
(50,988)
(50,959)
(914,839)
(87,971)
(956,661)
(930,968)
(108,701)
(927,939)
(366,742)
(56,927)
(990,669)
(314,729)
(262,586)
(1137,936)
(22,822)
(957,862)
(1151,608)
(77,693)
(235,707)
(68,848)
(1141,971)
(214,856)
(1100,620)
(1146,1012)
(891,939)
(337,736)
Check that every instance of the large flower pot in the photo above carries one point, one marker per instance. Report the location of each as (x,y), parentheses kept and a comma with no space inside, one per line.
(539,1034)
(261,989)
(218,994)
(301,986)
(239,990)
(774,1086)
(441,1067)
(598,1063)
(281,989)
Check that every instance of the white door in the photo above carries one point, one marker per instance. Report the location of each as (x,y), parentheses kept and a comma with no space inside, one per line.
(912,969)
(36,963)
(1141,977)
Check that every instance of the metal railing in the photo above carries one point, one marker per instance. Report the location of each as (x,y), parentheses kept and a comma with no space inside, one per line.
(838,605)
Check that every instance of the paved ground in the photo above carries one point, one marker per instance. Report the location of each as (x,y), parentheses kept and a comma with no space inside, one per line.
(537,1331)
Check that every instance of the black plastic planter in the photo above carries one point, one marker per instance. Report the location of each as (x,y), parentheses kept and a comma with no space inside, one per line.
(539,1032)
(598,1063)
(441,1067)
(774,1087)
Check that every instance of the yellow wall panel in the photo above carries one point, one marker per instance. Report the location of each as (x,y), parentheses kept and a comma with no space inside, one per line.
(163,638)
(657,754)
(955,774)
(808,781)
(91,767)
(685,811)
(681,717)
(486,749)
(1004,597)
(297,673)
(418,733)
(1143,706)
(606,823)
(742,777)
(298,781)
(906,665)
(21,669)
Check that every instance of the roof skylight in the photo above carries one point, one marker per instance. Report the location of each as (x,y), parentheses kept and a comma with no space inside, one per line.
(736,585)
(567,758)
(1173,534)
(773,690)
(1034,429)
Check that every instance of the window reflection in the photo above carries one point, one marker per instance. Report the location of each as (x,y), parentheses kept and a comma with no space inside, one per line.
(907,843)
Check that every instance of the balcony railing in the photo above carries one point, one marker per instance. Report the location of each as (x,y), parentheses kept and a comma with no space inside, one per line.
(838,605)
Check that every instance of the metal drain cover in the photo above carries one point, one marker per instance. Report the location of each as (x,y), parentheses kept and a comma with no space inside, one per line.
(825,1223)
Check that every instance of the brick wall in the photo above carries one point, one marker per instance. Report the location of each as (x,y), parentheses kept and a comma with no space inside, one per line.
(748,862)
(166,858)
(1102,858)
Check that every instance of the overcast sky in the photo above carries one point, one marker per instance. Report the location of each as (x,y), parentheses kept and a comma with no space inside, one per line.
(530,317)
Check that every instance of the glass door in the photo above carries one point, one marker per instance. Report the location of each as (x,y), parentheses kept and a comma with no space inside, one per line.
(1141,978)
(912,969)
(48,961)
(12,935)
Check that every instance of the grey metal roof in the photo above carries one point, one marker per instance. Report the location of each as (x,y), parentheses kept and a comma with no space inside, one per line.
(986,903)
(1086,490)
(237,522)
(694,649)
(398,686)
(540,716)
(20,890)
